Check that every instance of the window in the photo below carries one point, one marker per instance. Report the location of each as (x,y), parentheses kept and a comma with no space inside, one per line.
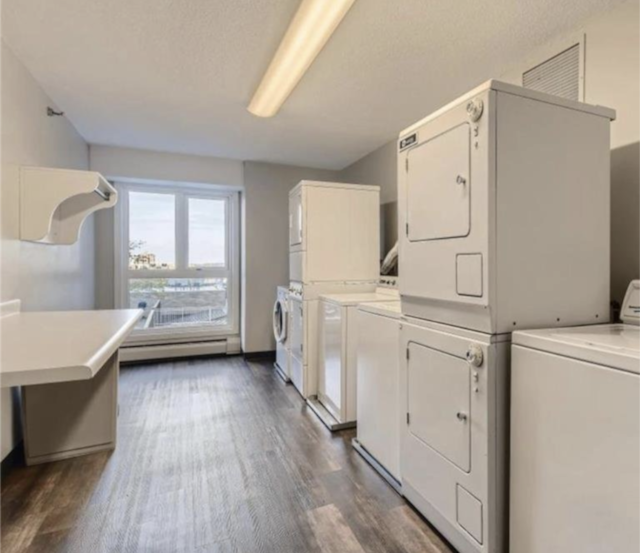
(177,259)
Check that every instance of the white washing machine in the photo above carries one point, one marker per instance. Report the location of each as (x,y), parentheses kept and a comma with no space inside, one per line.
(280,332)
(378,407)
(453,462)
(336,401)
(575,437)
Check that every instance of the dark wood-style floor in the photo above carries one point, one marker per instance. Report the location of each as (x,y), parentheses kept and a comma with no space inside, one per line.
(213,455)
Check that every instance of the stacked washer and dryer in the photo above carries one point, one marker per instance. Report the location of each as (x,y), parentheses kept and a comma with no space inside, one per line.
(334,248)
(505,216)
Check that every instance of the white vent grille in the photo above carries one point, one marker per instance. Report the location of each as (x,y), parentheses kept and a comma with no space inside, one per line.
(559,75)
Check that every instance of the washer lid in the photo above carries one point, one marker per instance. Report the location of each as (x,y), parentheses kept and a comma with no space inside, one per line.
(615,345)
(389,309)
(356,299)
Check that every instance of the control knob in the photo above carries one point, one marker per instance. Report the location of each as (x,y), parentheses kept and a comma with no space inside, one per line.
(475,356)
(474,109)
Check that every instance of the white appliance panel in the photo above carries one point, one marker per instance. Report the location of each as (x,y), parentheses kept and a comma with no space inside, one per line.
(296,266)
(575,455)
(337,351)
(332,337)
(454,469)
(429,266)
(296,335)
(438,186)
(439,389)
(539,212)
(296,373)
(335,229)
(378,405)
(295,219)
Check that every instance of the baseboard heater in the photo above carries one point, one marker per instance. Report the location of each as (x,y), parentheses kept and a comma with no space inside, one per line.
(149,352)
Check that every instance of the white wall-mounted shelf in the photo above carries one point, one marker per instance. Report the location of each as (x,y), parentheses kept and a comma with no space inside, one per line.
(54,203)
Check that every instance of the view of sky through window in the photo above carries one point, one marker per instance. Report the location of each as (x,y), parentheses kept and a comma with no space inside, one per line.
(206,232)
(152,230)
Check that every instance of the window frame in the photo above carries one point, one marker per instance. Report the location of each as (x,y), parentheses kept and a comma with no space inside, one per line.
(231,270)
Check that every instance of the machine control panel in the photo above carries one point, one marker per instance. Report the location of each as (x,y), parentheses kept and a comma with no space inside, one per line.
(474,355)
(630,313)
(386,281)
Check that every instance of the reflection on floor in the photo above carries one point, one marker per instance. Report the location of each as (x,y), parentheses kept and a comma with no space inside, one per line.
(213,455)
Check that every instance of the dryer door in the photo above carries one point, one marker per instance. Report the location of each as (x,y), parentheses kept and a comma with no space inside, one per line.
(280,315)
(439,187)
(439,391)
(295,219)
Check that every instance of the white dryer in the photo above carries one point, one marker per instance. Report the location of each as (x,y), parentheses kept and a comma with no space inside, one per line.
(575,437)
(503,198)
(280,332)
(453,462)
(378,408)
(336,401)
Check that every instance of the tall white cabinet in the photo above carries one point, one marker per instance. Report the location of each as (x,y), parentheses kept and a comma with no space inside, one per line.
(504,225)
(334,247)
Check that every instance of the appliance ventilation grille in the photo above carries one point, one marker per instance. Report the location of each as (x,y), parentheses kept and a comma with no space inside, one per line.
(559,75)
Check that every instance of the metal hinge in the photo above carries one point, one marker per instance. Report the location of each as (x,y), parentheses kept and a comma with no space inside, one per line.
(406,164)
(407,229)
(408,418)
(408,354)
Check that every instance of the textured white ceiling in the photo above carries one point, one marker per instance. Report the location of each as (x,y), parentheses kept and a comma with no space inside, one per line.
(177,75)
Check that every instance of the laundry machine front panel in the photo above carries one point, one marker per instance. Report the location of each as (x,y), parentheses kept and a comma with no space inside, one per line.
(296,218)
(331,362)
(438,388)
(438,186)
(452,463)
(446,207)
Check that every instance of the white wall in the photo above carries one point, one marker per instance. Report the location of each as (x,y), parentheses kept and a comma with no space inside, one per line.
(265,237)
(612,79)
(44,277)
(379,167)
(131,164)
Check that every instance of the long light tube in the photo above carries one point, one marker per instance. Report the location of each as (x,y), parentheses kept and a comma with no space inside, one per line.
(309,30)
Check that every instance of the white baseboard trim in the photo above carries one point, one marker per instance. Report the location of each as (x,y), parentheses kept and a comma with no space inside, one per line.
(230,346)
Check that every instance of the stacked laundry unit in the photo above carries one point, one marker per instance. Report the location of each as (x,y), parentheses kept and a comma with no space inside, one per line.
(504,213)
(334,247)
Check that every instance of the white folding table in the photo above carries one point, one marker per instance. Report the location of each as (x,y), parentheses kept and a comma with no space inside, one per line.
(67,365)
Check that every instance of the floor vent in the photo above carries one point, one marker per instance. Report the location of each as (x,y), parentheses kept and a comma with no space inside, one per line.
(559,75)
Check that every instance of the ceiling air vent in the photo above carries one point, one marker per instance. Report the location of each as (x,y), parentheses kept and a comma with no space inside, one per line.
(559,75)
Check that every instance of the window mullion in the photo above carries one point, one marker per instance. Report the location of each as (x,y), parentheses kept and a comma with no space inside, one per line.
(182,232)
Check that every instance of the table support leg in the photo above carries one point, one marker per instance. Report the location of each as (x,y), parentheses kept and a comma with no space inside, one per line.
(69,419)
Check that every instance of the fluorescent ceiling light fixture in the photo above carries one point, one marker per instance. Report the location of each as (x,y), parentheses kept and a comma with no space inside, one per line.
(309,30)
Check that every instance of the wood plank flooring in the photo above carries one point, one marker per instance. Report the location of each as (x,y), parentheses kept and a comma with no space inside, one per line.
(213,455)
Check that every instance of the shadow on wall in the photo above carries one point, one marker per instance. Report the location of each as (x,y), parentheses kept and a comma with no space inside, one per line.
(625,218)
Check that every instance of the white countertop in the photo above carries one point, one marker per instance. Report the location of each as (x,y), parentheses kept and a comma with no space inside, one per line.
(60,346)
